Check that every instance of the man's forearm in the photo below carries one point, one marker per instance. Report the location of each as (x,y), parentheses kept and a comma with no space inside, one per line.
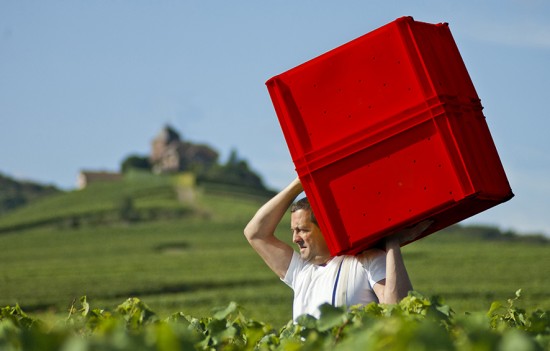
(398,283)
(267,218)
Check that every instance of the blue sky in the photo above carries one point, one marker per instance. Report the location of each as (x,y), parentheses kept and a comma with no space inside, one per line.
(83,84)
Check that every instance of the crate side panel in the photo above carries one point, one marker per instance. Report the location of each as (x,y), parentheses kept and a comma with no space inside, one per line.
(376,190)
(479,153)
(414,178)
(442,61)
(356,86)
(292,125)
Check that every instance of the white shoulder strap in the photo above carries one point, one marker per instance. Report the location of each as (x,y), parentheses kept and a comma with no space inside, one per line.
(341,284)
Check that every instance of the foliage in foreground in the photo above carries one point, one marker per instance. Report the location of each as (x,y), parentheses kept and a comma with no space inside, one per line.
(416,323)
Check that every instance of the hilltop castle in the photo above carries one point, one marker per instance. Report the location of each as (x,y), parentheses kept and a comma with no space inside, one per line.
(170,154)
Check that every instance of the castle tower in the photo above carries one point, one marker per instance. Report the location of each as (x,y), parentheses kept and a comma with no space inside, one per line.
(164,151)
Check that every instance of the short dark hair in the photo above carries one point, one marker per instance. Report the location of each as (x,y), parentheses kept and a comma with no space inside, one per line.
(303,204)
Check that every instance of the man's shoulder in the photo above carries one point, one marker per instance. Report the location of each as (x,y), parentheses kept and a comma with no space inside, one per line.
(297,264)
(370,254)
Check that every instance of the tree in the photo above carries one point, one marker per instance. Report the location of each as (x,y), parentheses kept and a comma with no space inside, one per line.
(15,193)
(236,172)
(135,162)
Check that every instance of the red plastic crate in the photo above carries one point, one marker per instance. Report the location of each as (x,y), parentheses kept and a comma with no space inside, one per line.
(386,131)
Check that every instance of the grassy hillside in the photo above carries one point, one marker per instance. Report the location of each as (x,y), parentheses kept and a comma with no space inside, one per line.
(15,193)
(180,249)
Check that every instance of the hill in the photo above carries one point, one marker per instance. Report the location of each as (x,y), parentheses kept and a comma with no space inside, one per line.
(14,193)
(139,197)
(179,246)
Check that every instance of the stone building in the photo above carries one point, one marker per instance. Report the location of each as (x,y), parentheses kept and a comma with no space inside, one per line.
(85,178)
(170,154)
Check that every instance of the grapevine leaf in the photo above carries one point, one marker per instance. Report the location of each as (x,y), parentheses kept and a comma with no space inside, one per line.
(494,307)
(330,317)
(225,312)
(307,321)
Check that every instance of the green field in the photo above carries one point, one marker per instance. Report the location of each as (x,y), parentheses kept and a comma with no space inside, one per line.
(191,256)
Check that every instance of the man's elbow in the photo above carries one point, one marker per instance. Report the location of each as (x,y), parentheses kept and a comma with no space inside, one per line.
(251,232)
(248,233)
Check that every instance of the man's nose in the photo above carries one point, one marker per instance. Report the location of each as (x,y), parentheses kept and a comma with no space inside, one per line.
(295,236)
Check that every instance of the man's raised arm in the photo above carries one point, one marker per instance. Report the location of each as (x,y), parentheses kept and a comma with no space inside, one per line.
(397,283)
(260,231)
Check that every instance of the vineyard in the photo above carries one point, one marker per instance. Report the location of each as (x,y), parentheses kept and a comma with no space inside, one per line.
(416,323)
(138,239)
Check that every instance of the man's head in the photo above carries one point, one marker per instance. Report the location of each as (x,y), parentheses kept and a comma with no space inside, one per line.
(303,204)
(306,233)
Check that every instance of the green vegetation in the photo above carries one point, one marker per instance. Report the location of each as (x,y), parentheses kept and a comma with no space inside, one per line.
(234,172)
(177,251)
(179,247)
(98,204)
(416,323)
(15,193)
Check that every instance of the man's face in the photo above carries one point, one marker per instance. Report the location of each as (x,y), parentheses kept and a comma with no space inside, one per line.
(308,237)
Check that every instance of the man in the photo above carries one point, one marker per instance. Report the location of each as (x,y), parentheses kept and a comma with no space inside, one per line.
(317,277)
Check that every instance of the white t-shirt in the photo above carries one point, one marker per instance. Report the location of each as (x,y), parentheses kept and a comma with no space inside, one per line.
(315,285)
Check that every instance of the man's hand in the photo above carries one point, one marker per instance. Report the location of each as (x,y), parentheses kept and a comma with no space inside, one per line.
(410,233)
